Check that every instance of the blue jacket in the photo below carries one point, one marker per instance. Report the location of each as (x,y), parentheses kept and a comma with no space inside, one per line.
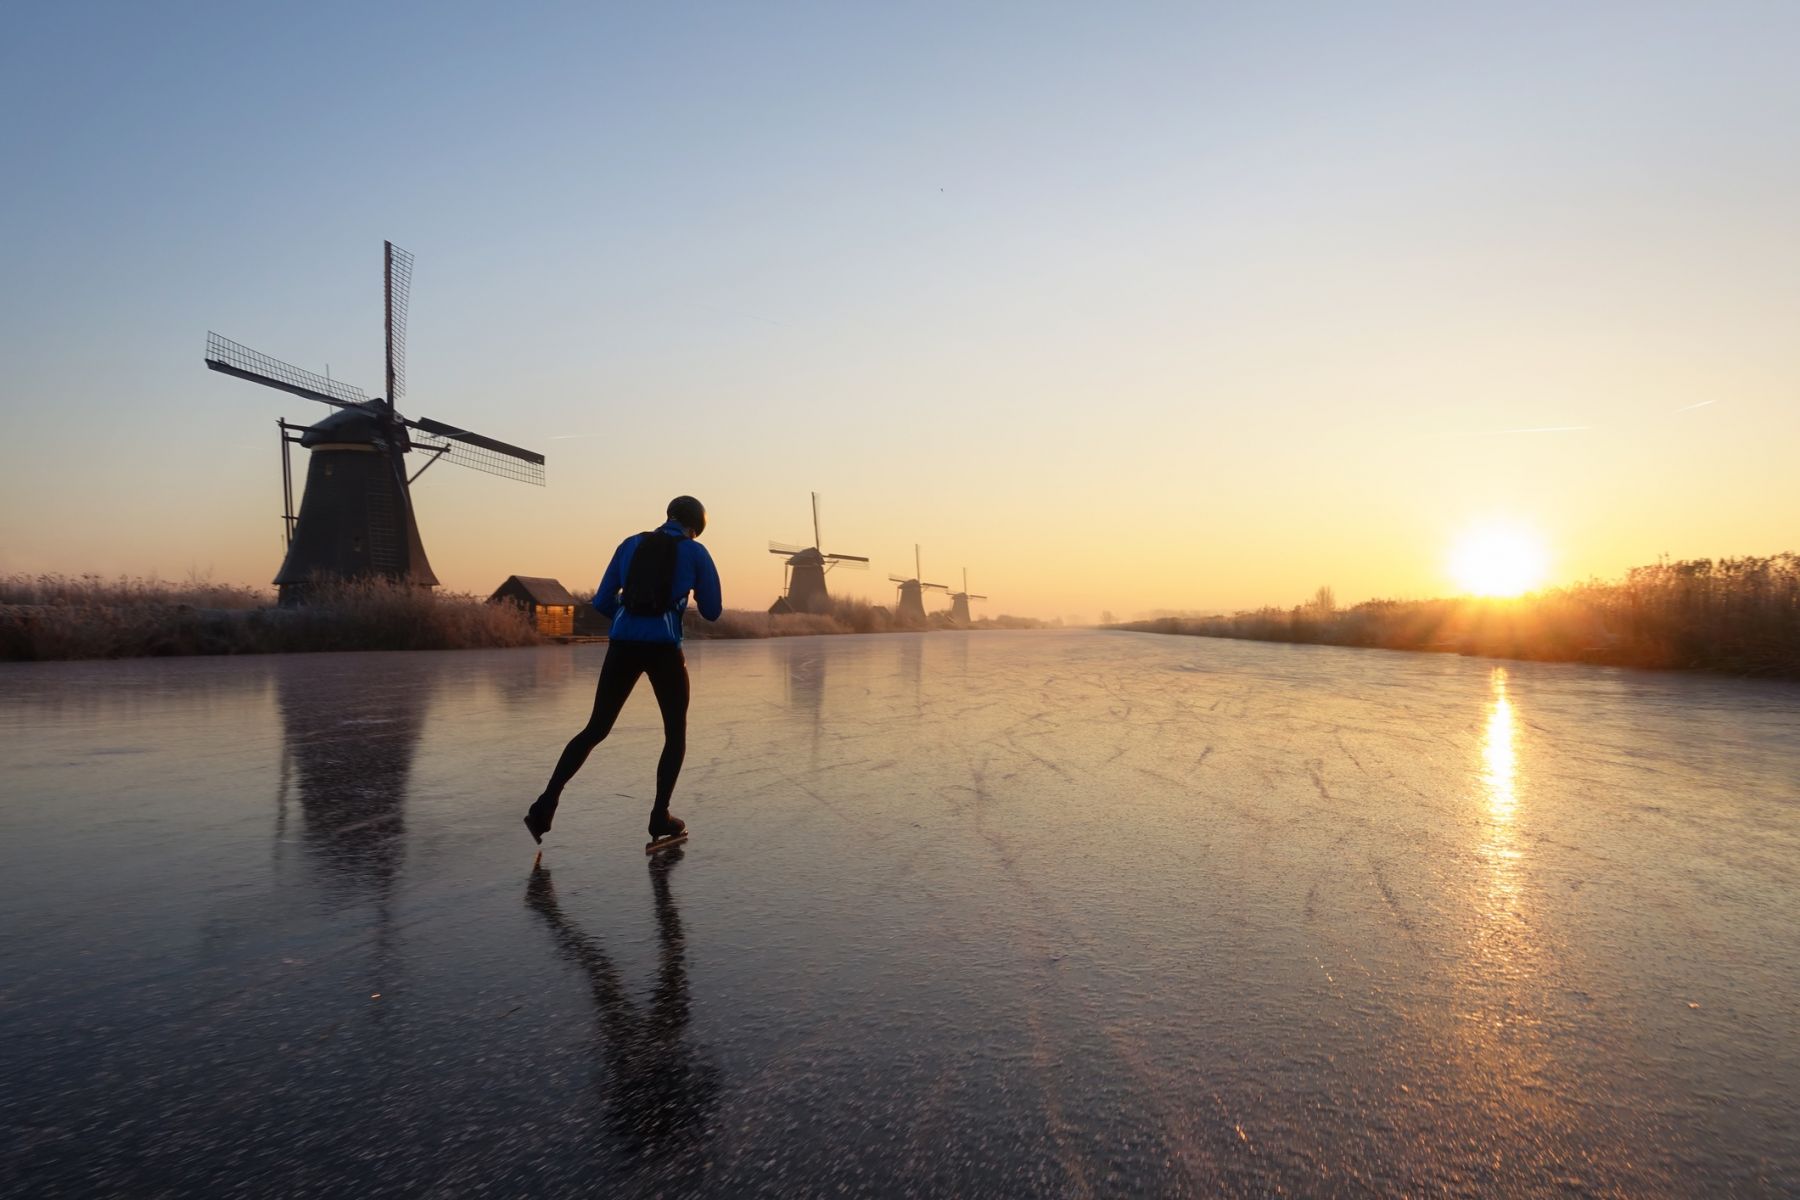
(694,572)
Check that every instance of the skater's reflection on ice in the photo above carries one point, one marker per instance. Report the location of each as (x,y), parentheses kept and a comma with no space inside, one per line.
(657,1091)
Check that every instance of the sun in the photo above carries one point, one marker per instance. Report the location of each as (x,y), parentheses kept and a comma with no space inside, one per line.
(1499,560)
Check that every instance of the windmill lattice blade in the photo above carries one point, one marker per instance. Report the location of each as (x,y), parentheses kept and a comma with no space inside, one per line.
(935,587)
(850,561)
(479,453)
(973,596)
(784,548)
(399,293)
(849,557)
(897,579)
(235,358)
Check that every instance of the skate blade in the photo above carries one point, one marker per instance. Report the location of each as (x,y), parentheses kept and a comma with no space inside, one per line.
(663,843)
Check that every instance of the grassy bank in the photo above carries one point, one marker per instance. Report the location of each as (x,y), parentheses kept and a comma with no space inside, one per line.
(59,617)
(1738,615)
(49,617)
(846,616)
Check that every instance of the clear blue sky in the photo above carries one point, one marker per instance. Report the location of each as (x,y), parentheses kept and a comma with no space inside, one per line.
(1233,300)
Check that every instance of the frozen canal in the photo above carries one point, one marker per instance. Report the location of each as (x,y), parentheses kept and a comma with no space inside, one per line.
(1058,914)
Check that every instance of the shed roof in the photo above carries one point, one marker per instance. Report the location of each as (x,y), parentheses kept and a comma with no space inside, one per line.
(537,588)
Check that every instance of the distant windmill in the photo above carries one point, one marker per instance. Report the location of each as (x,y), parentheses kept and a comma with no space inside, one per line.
(356,515)
(959,602)
(909,606)
(803,577)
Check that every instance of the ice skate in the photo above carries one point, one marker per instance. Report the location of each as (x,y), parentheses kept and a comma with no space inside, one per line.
(538,818)
(665,831)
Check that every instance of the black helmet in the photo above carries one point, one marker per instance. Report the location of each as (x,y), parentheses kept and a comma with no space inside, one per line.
(689,512)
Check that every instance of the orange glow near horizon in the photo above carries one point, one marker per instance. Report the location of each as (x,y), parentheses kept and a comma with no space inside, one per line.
(1499,560)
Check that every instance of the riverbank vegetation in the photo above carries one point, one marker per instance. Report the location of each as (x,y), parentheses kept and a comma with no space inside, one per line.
(846,616)
(49,617)
(852,616)
(1735,615)
(61,617)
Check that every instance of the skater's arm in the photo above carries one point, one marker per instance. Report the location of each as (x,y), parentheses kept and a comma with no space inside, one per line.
(707,596)
(606,596)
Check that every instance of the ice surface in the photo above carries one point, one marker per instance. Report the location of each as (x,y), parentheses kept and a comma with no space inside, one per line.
(995,913)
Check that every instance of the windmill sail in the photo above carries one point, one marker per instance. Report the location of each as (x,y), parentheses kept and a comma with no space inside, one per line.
(478,453)
(235,358)
(397,289)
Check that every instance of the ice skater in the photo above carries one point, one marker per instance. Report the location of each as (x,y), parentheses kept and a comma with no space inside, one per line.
(645,592)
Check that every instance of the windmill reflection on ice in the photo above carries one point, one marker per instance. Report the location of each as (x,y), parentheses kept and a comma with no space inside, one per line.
(356,515)
(348,747)
(806,686)
(912,667)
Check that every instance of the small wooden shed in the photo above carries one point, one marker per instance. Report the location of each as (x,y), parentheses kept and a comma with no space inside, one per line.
(551,607)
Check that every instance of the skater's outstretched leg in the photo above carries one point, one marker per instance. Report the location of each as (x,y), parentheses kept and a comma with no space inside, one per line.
(618,674)
(669,679)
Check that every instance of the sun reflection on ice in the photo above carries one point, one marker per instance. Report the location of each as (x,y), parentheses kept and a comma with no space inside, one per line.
(1500,764)
(1499,780)
(1499,1035)
(1503,947)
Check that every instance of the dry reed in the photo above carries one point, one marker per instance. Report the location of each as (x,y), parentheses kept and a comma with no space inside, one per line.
(1734,615)
(55,617)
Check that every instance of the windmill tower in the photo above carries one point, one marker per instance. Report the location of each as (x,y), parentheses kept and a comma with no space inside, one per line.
(959,602)
(909,604)
(356,515)
(803,575)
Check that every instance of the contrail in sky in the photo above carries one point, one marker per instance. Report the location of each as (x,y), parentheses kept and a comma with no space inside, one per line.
(563,437)
(1692,407)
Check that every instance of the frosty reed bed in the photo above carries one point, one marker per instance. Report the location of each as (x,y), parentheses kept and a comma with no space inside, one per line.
(49,617)
(1735,615)
(61,617)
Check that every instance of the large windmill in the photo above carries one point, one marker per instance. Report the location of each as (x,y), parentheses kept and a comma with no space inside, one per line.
(803,576)
(909,605)
(959,602)
(356,515)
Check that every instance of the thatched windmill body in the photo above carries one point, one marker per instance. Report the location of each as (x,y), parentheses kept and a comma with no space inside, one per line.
(909,602)
(959,602)
(356,514)
(803,574)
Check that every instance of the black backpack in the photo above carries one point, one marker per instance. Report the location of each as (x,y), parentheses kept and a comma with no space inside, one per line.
(651,577)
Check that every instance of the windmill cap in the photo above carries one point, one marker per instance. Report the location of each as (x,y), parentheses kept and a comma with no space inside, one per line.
(690,512)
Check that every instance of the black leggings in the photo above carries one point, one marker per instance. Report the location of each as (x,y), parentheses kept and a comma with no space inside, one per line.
(625,661)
